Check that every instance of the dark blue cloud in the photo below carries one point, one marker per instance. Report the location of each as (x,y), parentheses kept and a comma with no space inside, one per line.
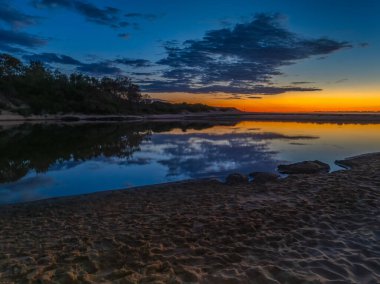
(12,40)
(109,67)
(108,16)
(243,59)
(11,49)
(167,86)
(150,17)
(123,35)
(364,44)
(133,62)
(100,68)
(52,58)
(14,18)
(15,41)
(52,3)
(143,73)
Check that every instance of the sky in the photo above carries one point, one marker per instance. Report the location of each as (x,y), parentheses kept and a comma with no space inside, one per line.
(255,55)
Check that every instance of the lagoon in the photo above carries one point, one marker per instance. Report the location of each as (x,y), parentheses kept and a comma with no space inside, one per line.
(39,161)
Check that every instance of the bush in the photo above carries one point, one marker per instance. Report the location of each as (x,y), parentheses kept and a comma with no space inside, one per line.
(34,89)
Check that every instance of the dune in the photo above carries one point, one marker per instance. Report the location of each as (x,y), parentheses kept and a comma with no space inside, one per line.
(310,228)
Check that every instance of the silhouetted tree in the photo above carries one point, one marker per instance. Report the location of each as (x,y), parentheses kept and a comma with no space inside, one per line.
(33,88)
(9,66)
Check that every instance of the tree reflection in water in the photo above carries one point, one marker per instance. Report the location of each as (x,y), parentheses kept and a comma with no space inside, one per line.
(48,160)
(38,147)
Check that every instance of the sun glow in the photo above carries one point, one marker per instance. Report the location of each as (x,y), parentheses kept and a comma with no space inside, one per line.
(327,101)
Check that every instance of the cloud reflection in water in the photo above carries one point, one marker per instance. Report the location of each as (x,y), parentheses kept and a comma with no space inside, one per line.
(41,161)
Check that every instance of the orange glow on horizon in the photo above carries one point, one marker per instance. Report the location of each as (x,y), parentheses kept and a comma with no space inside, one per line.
(333,101)
(295,128)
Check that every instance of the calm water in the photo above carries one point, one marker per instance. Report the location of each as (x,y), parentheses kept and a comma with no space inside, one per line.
(42,161)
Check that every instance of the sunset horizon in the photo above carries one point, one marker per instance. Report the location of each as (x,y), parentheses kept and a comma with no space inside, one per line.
(256,56)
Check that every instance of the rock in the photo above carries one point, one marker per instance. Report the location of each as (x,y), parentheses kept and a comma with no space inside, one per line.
(261,177)
(236,178)
(307,167)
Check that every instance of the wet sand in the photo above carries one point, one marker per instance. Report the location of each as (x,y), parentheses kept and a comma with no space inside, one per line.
(319,228)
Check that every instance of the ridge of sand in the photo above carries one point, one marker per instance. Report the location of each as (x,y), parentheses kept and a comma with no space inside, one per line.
(321,228)
(317,117)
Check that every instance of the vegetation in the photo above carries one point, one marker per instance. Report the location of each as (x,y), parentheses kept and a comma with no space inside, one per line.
(35,89)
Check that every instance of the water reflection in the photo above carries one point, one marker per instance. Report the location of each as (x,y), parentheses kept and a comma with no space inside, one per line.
(41,161)
(202,154)
(38,147)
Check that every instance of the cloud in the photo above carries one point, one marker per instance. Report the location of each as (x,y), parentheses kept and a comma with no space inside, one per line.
(133,62)
(162,86)
(302,83)
(52,58)
(52,3)
(232,98)
(100,68)
(341,81)
(150,17)
(12,40)
(229,97)
(108,16)
(11,49)
(15,18)
(242,59)
(364,44)
(93,68)
(123,35)
(143,73)
(15,41)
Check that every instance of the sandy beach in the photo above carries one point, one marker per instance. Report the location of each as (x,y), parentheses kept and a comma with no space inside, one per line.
(315,228)
(318,117)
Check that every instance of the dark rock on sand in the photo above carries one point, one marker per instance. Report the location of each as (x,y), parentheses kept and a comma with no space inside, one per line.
(307,167)
(261,177)
(236,178)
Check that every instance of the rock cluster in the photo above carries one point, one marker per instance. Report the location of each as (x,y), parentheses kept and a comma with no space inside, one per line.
(307,167)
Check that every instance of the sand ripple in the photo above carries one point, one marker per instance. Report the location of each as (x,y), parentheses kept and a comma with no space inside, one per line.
(321,228)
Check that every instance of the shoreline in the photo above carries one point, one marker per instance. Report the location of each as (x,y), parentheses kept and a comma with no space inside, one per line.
(345,165)
(310,228)
(292,117)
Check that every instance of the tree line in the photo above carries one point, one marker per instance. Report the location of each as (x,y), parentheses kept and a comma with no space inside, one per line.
(35,89)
